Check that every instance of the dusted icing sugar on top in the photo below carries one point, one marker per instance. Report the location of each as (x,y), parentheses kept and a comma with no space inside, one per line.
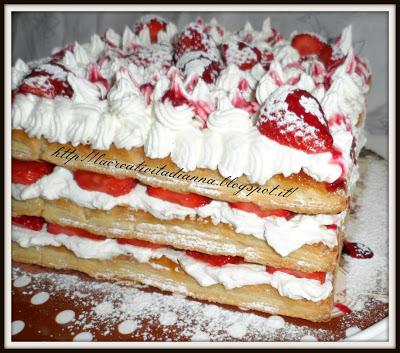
(94,105)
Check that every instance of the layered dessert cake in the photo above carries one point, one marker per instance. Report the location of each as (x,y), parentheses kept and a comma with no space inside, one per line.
(210,164)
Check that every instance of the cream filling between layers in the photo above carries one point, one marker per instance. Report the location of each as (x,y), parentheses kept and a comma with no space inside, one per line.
(284,236)
(230,276)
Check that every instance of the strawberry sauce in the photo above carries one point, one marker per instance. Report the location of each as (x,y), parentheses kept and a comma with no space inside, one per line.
(343,308)
(357,250)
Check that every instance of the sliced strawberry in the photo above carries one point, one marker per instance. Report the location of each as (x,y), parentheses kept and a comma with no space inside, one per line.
(253,208)
(155,24)
(319,276)
(186,200)
(72,231)
(141,243)
(308,44)
(241,54)
(104,183)
(28,172)
(30,222)
(330,60)
(215,260)
(293,117)
(48,80)
(191,39)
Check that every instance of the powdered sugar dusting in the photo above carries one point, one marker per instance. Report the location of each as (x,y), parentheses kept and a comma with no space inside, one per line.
(311,106)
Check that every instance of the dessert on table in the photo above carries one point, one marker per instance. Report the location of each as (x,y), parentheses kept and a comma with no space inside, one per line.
(201,162)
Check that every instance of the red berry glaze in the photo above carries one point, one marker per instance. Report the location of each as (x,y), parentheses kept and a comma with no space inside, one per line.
(175,95)
(343,308)
(357,250)
(294,118)
(72,231)
(319,276)
(215,260)
(104,183)
(253,208)
(140,243)
(339,184)
(29,172)
(30,222)
(96,77)
(186,200)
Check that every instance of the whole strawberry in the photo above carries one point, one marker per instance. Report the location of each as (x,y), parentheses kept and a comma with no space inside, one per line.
(154,24)
(192,38)
(294,118)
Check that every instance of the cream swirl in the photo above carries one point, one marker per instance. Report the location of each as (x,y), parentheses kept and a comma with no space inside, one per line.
(187,148)
(285,54)
(19,71)
(344,96)
(227,138)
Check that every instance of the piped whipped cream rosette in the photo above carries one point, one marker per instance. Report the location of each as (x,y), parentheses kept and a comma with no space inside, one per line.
(216,163)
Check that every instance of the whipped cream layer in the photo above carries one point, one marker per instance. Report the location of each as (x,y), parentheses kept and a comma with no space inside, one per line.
(284,236)
(215,127)
(230,276)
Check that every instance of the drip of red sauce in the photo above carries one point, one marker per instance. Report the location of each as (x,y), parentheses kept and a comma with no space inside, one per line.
(343,308)
(147,89)
(357,250)
(337,158)
(337,119)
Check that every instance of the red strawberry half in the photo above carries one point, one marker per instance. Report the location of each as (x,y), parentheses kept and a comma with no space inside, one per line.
(319,276)
(241,54)
(155,24)
(186,200)
(28,172)
(104,183)
(253,208)
(49,80)
(191,39)
(294,118)
(29,222)
(308,44)
(215,260)
(72,231)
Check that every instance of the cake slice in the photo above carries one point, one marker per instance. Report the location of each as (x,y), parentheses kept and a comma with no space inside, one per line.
(205,163)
